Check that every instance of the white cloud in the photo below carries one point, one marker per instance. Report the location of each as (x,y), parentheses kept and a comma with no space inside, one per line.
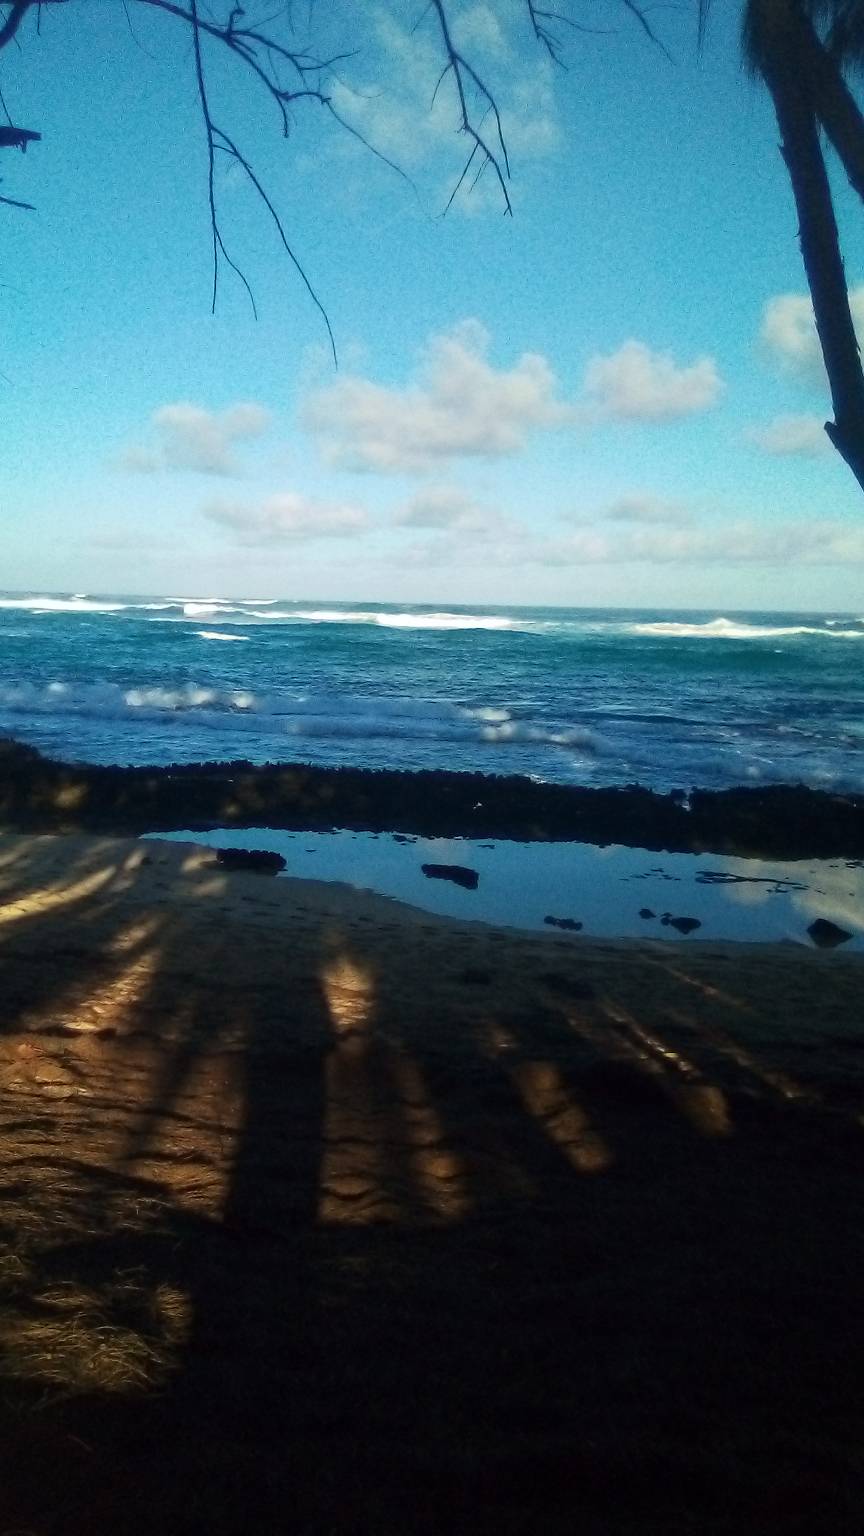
(739,543)
(448,507)
(288,517)
(797,436)
(788,331)
(478,27)
(636,384)
(410,113)
(461,407)
(642,507)
(188,437)
(746,542)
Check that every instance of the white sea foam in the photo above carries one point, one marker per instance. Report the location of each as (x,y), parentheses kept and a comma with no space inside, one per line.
(200,610)
(302,716)
(215,634)
(728,629)
(406,620)
(60,605)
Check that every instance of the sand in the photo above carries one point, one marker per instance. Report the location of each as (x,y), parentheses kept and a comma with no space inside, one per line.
(323,1214)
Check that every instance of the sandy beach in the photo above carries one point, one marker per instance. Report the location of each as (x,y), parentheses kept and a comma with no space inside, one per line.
(322,1214)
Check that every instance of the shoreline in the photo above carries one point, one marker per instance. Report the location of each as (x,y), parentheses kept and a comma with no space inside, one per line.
(770,821)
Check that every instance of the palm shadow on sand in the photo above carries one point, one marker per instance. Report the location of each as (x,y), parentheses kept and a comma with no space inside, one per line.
(321,1225)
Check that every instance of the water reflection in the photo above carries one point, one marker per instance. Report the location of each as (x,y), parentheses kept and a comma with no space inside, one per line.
(605,889)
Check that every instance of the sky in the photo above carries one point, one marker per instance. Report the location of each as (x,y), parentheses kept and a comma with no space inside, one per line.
(614,396)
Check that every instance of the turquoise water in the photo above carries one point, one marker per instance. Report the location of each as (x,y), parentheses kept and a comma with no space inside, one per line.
(580,696)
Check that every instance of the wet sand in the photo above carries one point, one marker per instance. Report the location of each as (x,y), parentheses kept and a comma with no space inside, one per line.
(321,1214)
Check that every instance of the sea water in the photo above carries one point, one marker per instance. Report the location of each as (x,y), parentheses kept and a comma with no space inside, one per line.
(577,696)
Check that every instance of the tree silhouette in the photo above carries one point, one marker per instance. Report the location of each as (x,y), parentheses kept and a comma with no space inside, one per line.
(804,50)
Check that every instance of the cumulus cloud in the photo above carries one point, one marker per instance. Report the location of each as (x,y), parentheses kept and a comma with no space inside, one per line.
(288,517)
(408,111)
(796,436)
(448,507)
(788,331)
(645,508)
(188,437)
(460,407)
(636,384)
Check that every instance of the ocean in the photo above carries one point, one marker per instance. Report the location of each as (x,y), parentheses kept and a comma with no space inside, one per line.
(577,696)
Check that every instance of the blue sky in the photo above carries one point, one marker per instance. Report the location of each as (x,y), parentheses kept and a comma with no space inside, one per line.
(613,397)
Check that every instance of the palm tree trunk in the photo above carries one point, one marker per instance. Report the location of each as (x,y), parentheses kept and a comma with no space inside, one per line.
(820,249)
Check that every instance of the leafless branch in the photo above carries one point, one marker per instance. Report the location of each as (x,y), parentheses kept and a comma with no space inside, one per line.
(227,146)
(464,75)
(636,10)
(543,22)
(17,138)
(17,11)
(211,159)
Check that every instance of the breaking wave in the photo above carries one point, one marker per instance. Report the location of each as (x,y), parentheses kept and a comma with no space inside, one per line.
(729,629)
(321,715)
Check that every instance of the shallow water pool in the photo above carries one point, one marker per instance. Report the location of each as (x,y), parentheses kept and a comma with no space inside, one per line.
(607,890)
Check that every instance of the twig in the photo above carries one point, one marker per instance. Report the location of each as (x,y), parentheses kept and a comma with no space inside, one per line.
(464,71)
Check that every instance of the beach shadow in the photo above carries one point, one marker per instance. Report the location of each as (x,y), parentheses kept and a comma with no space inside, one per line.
(322,1224)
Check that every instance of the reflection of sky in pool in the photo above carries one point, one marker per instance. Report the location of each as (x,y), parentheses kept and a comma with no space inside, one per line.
(603,888)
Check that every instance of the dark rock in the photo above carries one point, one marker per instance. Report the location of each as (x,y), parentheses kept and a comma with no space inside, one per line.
(474,977)
(683,924)
(827,935)
(455,872)
(563,922)
(646,912)
(251,858)
(773,821)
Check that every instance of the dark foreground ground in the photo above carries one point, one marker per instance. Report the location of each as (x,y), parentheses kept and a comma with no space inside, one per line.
(321,1219)
(783,821)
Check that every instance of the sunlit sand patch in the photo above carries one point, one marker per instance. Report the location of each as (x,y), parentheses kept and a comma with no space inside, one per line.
(352,1164)
(438,1169)
(704,1104)
(135,934)
(385,1153)
(51,899)
(170,1143)
(780,1083)
(349,991)
(547,1098)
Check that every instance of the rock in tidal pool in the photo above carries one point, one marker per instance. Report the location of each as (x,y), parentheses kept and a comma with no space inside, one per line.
(827,935)
(683,924)
(569,923)
(646,912)
(251,858)
(458,873)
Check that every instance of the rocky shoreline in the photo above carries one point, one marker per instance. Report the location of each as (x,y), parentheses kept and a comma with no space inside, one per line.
(774,821)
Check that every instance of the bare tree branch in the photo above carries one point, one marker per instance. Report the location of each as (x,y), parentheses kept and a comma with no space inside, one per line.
(14,202)
(465,73)
(542,23)
(230,148)
(17,11)
(17,138)
(211,159)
